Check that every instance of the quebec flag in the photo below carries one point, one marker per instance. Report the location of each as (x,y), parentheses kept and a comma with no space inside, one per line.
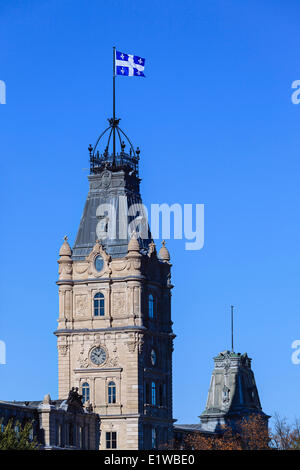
(129,65)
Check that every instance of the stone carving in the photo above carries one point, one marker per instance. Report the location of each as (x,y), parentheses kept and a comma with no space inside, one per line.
(119,265)
(80,304)
(106,179)
(63,349)
(65,270)
(131,344)
(80,267)
(226,395)
(74,399)
(118,303)
(114,360)
(152,249)
(136,341)
(141,343)
(223,361)
(83,361)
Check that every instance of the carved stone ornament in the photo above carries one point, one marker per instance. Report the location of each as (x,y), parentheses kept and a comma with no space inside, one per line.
(63,349)
(223,361)
(134,265)
(80,304)
(120,265)
(96,251)
(141,343)
(118,303)
(114,359)
(152,249)
(136,341)
(105,179)
(80,267)
(74,399)
(226,395)
(65,270)
(83,361)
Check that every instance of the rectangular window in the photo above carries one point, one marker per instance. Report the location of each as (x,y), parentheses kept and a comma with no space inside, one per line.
(153,438)
(99,309)
(81,437)
(57,434)
(72,435)
(112,393)
(153,393)
(111,440)
(87,436)
(147,393)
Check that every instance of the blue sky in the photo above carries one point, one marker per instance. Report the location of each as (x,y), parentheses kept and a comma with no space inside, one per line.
(215,124)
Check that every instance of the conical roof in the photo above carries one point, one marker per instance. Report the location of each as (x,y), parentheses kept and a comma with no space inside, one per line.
(65,249)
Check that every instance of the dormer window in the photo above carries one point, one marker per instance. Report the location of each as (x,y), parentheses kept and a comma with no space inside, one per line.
(99,263)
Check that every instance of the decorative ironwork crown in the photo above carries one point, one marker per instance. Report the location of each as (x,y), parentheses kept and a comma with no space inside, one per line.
(111,159)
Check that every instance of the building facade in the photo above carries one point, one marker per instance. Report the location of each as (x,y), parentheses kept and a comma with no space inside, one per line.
(114,334)
(56,424)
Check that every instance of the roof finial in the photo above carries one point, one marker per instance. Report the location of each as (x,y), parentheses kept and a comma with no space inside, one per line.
(66,238)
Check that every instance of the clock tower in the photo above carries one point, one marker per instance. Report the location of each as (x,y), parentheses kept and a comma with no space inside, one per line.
(114,332)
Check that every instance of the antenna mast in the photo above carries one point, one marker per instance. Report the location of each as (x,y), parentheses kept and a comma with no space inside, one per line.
(232,348)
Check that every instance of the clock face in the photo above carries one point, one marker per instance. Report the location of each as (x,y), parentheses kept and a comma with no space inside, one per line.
(99,263)
(98,356)
(153,357)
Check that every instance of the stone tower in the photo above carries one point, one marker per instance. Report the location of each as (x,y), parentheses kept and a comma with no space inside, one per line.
(232,394)
(114,332)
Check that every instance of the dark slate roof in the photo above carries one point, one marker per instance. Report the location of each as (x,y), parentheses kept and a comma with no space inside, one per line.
(190,427)
(32,404)
(106,188)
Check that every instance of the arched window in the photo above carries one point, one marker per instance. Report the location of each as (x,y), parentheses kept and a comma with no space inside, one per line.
(151,306)
(85,392)
(99,309)
(112,392)
(153,393)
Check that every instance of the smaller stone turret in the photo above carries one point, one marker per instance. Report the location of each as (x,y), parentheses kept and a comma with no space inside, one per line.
(65,249)
(232,394)
(65,261)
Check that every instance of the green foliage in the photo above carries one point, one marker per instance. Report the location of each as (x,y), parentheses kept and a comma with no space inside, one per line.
(17,439)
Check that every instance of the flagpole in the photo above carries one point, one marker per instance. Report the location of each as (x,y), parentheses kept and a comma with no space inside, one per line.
(114,104)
